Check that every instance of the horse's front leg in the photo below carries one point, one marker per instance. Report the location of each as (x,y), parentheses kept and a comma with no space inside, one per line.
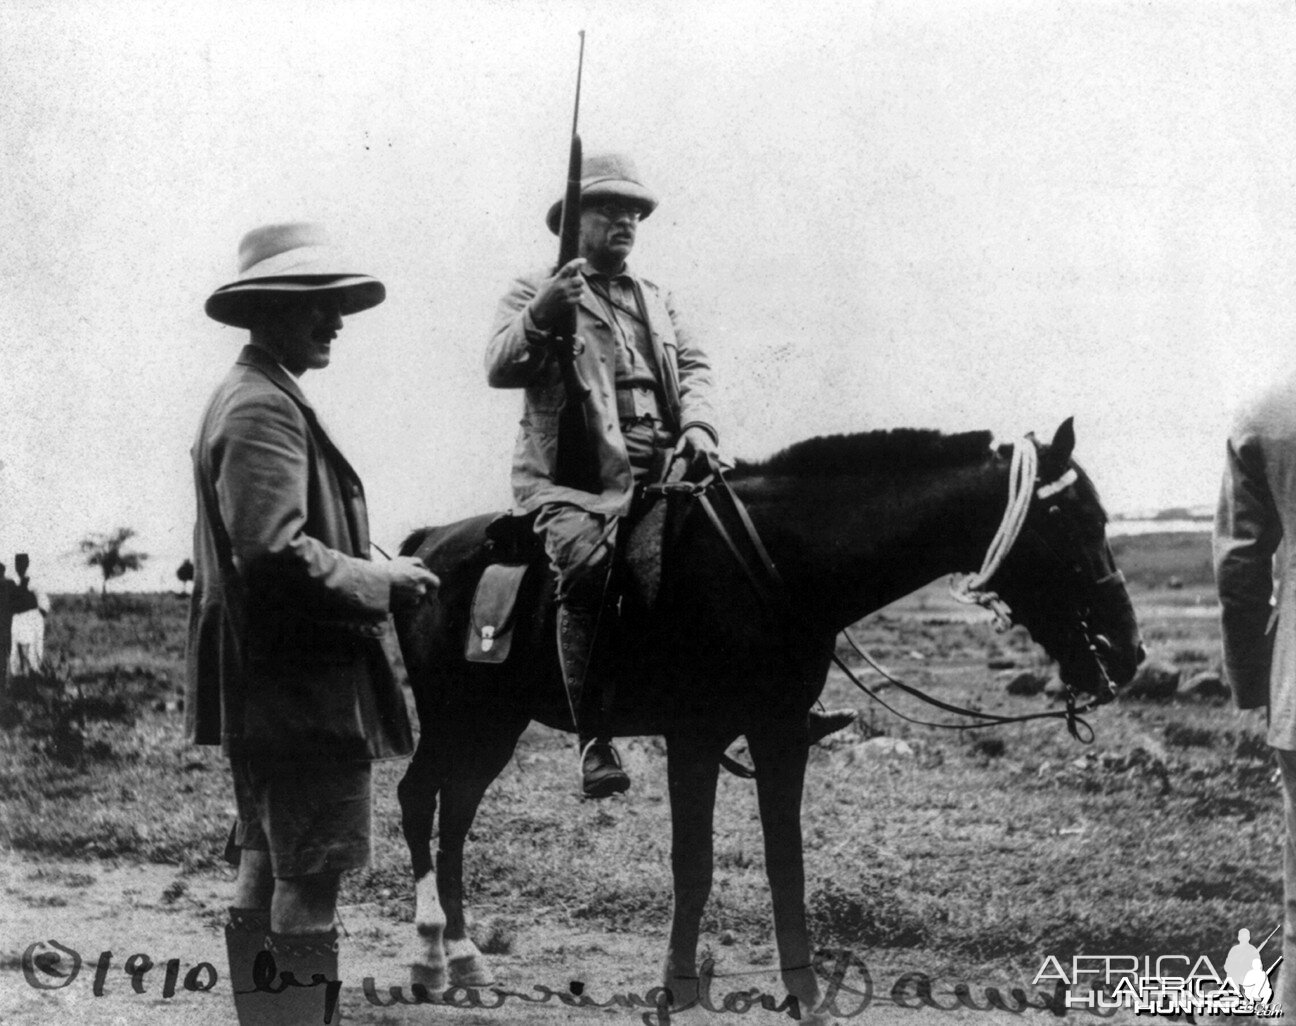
(476,754)
(779,751)
(692,764)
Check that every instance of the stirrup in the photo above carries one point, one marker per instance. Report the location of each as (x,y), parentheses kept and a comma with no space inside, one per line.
(595,741)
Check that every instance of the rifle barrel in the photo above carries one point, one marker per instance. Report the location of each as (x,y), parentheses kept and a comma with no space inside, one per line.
(580,67)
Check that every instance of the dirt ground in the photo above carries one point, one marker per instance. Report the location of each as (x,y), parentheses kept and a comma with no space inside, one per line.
(956,828)
(124,909)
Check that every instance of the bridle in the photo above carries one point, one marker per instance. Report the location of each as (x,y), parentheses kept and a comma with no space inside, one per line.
(1023,488)
(1023,479)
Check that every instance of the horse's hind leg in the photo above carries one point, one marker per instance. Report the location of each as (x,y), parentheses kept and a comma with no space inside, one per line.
(476,758)
(417,792)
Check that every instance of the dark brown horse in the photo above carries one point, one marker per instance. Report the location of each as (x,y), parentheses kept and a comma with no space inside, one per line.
(851,523)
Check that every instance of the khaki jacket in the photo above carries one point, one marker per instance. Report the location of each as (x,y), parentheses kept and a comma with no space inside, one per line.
(285,656)
(1257,510)
(517,358)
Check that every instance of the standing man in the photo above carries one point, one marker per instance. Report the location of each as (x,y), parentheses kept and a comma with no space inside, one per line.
(1257,513)
(286,667)
(28,628)
(650,389)
(15,599)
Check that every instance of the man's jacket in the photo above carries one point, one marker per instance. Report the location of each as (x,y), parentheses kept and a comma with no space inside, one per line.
(285,654)
(516,357)
(1257,510)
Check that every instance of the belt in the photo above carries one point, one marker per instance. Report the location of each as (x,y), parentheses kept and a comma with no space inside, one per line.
(635,402)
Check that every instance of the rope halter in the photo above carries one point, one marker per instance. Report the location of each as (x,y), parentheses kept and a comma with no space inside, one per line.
(971,589)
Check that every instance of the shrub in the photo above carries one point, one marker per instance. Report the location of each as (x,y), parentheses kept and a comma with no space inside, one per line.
(1183,735)
(869,915)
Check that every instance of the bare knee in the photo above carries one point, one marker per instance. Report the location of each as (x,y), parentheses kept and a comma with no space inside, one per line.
(305,904)
(255,884)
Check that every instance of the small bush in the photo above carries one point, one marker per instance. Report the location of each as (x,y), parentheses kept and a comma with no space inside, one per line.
(500,938)
(1252,746)
(1152,682)
(871,916)
(174,891)
(1183,735)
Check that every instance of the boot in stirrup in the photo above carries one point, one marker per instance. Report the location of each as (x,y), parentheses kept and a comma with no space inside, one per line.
(601,772)
(820,724)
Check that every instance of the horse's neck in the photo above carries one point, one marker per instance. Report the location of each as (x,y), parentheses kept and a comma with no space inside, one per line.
(849,545)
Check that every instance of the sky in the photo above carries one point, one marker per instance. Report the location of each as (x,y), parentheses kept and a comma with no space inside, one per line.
(958,215)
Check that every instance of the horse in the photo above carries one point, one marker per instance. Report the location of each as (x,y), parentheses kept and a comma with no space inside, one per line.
(848,524)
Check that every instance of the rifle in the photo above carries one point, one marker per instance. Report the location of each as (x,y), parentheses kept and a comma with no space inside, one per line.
(577,464)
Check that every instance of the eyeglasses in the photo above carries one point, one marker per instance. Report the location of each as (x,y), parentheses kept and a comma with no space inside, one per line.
(617,211)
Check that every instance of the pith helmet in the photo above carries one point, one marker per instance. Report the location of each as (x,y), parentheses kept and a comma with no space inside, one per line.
(293,257)
(611,176)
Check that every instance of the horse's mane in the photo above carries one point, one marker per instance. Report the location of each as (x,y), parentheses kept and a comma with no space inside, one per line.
(891,453)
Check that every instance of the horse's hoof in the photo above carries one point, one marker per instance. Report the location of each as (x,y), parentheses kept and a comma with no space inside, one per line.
(470,972)
(683,992)
(433,977)
(468,967)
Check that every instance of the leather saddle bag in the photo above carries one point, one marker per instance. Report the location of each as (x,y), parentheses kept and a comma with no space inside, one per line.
(492,618)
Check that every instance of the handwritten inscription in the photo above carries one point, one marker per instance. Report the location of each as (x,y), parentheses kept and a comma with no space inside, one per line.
(47,970)
(848,988)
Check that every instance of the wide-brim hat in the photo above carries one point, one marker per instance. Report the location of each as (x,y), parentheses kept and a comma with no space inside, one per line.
(289,258)
(610,176)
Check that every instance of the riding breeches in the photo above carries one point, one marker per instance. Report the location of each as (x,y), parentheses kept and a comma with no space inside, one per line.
(580,544)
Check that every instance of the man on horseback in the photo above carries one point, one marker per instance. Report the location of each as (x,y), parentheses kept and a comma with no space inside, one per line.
(650,392)
(286,667)
(650,397)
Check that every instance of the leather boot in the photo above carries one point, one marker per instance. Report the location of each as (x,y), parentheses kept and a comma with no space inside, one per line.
(821,724)
(305,985)
(601,772)
(245,938)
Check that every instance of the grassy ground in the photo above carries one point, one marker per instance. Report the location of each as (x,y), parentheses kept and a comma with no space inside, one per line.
(984,850)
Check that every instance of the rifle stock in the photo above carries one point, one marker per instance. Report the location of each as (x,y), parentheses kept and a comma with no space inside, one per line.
(577,464)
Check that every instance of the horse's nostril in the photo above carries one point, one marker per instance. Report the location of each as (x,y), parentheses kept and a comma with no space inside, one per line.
(1141,653)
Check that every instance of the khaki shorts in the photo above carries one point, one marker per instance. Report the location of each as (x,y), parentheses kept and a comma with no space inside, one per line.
(311,817)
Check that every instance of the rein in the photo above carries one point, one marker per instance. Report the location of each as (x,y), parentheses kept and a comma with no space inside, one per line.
(969,589)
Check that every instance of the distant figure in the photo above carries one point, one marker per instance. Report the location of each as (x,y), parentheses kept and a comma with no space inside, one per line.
(28,646)
(286,666)
(14,599)
(1256,516)
(1237,963)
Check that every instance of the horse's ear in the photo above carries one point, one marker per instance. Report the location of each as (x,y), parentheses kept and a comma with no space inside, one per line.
(1059,450)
